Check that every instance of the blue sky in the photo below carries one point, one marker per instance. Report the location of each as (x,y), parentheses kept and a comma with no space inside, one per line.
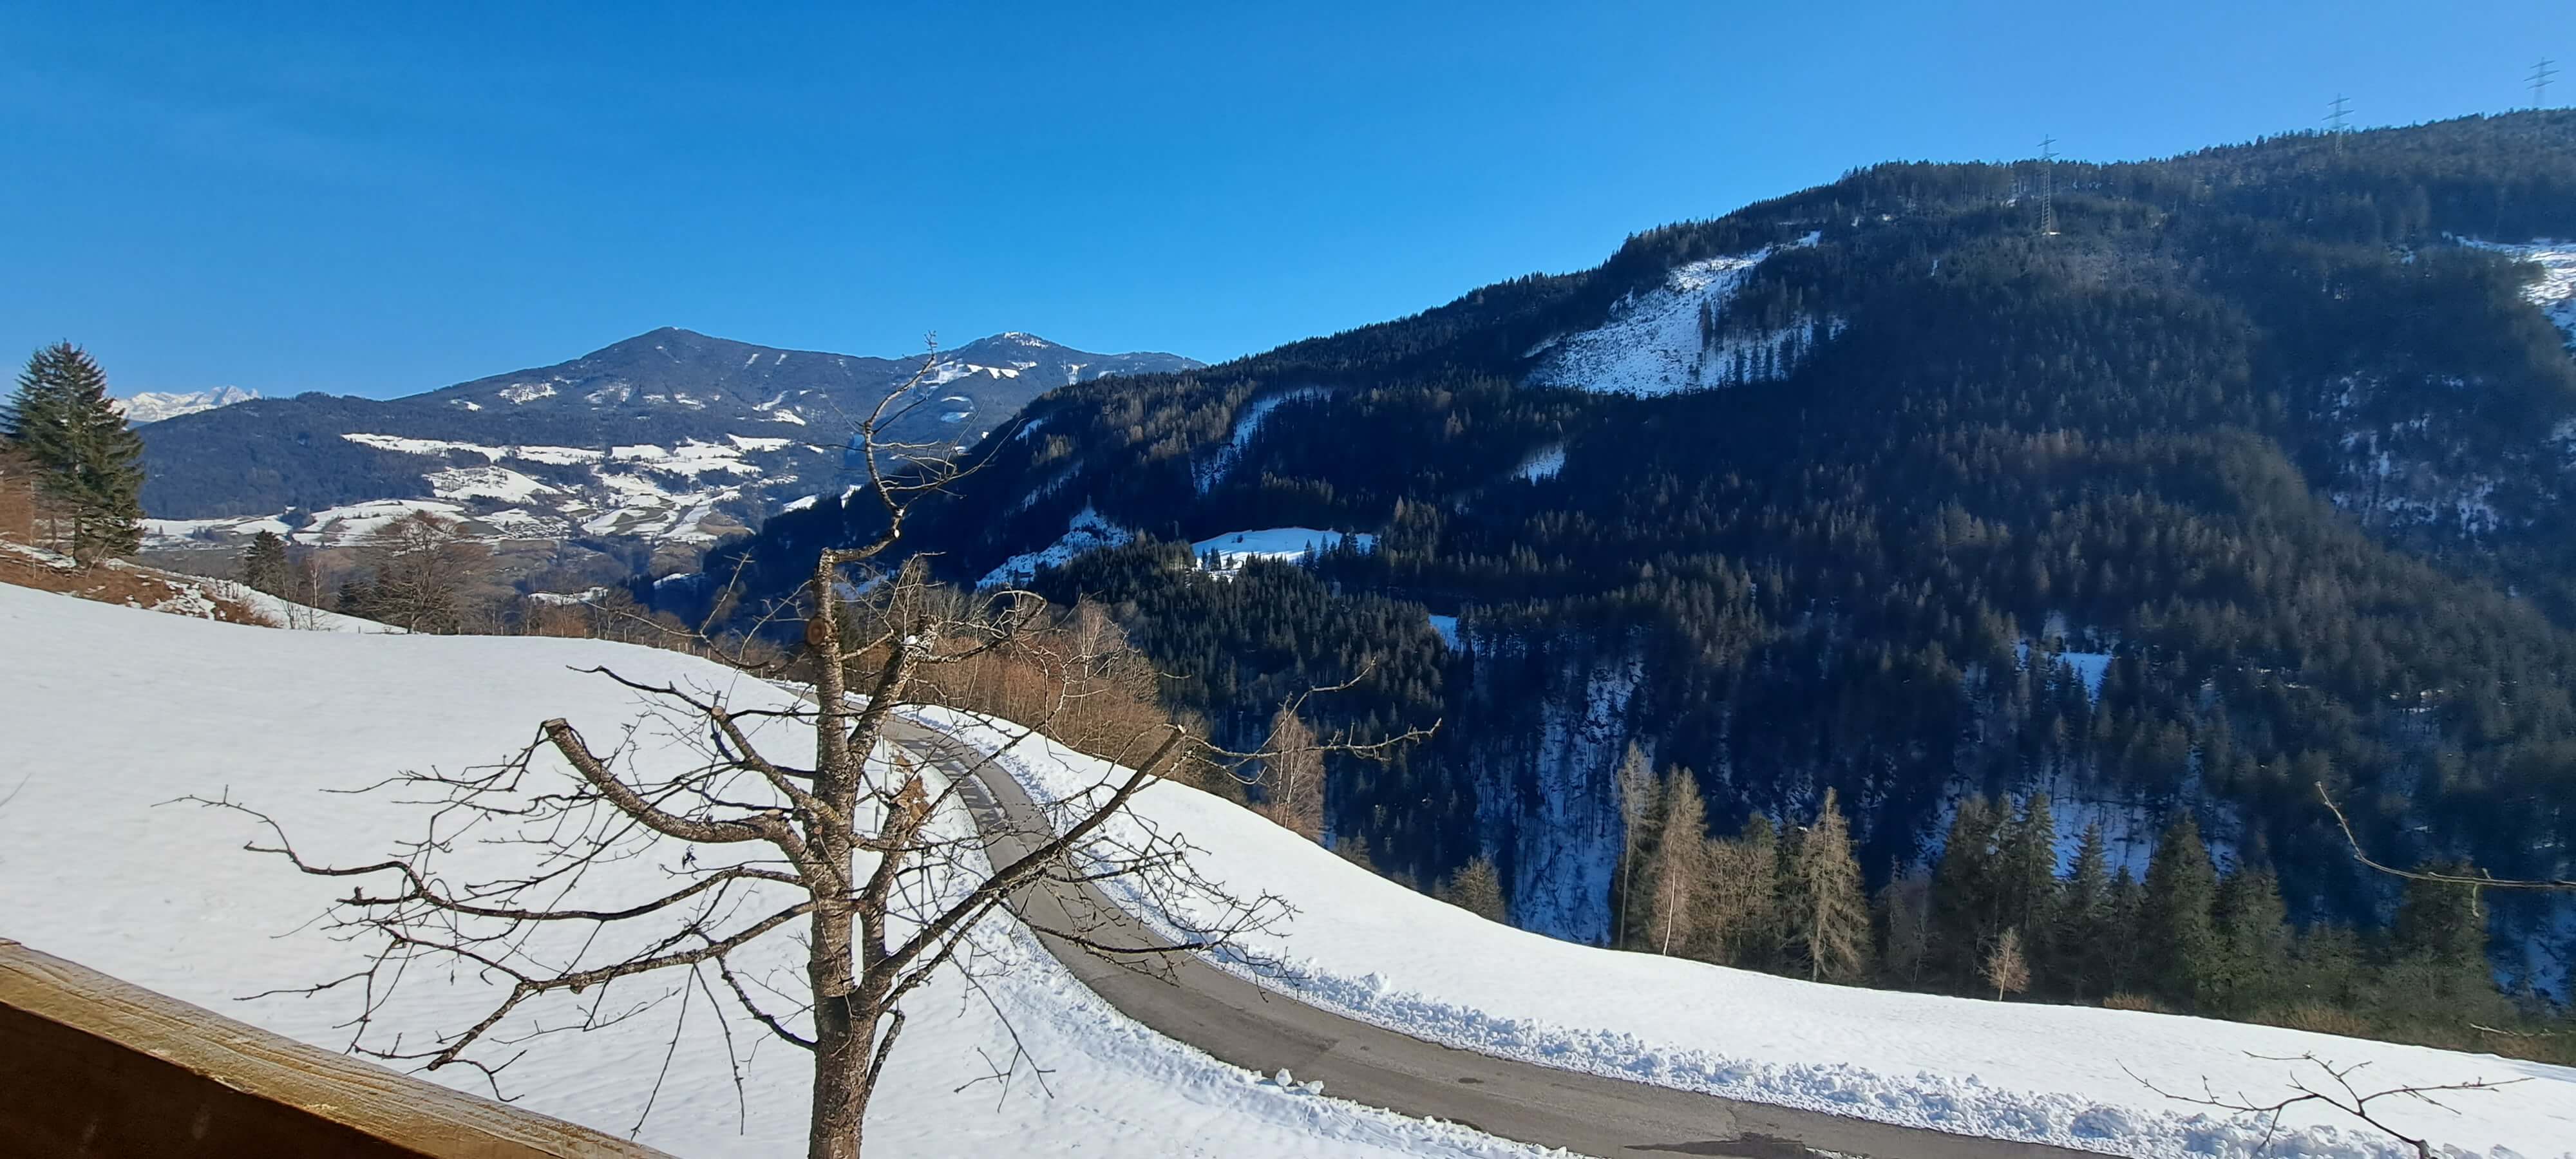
(358,200)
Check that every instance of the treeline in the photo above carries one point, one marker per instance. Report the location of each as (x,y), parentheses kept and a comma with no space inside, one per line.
(1994,915)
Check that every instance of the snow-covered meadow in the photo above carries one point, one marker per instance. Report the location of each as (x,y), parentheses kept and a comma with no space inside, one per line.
(2068,1075)
(108,713)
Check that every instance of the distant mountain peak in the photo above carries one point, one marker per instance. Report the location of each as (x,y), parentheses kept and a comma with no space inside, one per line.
(154,406)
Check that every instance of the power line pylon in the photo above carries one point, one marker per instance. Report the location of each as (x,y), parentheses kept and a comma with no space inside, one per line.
(2048,187)
(2334,118)
(2539,78)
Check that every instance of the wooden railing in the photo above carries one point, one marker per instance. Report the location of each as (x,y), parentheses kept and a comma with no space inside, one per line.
(95,1068)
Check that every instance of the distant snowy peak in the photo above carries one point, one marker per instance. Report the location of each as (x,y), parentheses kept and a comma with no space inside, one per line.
(154,406)
(737,429)
(1677,337)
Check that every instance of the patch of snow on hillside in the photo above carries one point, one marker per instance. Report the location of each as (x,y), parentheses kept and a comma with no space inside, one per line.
(800,504)
(228,533)
(557,456)
(527,392)
(1657,344)
(352,523)
(1247,423)
(1568,831)
(2554,291)
(2027,1071)
(752,443)
(104,872)
(498,483)
(2089,667)
(1542,464)
(400,444)
(1288,543)
(784,415)
(948,370)
(1086,532)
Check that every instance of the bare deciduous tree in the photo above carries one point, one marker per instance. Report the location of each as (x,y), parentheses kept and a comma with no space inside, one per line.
(422,565)
(1294,776)
(2005,968)
(866,852)
(2342,1095)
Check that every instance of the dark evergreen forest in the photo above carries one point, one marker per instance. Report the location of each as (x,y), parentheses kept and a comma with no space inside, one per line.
(2158,435)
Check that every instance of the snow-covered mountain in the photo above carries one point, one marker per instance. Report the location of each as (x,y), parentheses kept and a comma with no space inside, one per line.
(153,406)
(671,438)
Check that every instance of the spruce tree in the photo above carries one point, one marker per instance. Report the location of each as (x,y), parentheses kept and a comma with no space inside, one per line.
(1829,911)
(263,564)
(2441,922)
(2254,941)
(90,462)
(2125,969)
(33,416)
(2026,875)
(2180,933)
(2080,943)
(1963,891)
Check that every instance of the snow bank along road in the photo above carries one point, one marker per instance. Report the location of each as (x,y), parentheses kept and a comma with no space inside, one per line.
(1239,1022)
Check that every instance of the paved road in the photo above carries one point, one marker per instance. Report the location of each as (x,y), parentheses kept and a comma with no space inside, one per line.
(1235,1020)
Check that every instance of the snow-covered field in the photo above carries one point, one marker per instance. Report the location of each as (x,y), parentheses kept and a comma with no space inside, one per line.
(107,713)
(2073,1076)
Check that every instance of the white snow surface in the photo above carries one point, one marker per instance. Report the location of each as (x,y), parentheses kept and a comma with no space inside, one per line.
(102,871)
(2026,1071)
(499,483)
(1247,423)
(1086,532)
(1543,463)
(152,406)
(1653,344)
(1234,547)
(2554,291)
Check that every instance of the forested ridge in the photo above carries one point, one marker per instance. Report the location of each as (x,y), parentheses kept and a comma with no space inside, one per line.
(2251,439)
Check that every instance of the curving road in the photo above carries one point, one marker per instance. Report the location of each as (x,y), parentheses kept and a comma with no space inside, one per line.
(1236,1020)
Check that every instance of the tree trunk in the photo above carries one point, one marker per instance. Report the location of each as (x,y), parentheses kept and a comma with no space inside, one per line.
(840,1044)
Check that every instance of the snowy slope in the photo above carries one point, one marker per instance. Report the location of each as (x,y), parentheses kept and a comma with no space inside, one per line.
(2058,1074)
(1661,342)
(2554,291)
(110,712)
(1087,531)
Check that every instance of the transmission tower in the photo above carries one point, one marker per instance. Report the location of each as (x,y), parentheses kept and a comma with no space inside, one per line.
(2540,74)
(2048,187)
(2334,120)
